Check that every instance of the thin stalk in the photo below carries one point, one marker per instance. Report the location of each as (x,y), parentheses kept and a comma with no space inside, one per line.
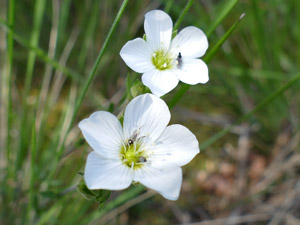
(185,87)
(121,199)
(56,88)
(42,54)
(10,53)
(6,101)
(38,17)
(87,84)
(44,91)
(32,191)
(168,5)
(182,14)
(64,9)
(261,105)
(225,10)
(88,35)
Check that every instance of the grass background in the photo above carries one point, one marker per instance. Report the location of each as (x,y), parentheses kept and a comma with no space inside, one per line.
(58,66)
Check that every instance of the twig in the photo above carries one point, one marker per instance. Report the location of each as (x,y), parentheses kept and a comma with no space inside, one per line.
(243,153)
(235,220)
(112,214)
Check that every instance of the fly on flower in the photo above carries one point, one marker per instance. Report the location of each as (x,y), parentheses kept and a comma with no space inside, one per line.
(162,61)
(179,60)
(134,137)
(144,150)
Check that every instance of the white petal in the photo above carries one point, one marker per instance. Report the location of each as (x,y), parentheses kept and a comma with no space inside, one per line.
(137,55)
(106,174)
(190,42)
(158,28)
(148,115)
(160,82)
(177,145)
(103,131)
(164,178)
(192,71)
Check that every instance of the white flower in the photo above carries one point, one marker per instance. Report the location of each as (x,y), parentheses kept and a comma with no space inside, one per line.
(163,61)
(145,150)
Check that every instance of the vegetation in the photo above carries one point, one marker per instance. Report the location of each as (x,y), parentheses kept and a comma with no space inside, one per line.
(59,62)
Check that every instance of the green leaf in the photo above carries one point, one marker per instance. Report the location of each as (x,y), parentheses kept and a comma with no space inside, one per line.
(182,14)
(225,8)
(102,196)
(84,191)
(49,194)
(208,57)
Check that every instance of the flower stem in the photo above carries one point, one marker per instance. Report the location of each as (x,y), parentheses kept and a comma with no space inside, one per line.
(185,87)
(87,84)
(183,13)
(261,105)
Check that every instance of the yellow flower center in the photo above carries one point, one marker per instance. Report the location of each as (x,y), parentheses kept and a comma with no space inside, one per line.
(132,155)
(162,60)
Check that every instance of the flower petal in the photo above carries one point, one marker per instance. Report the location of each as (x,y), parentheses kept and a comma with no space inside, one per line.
(177,145)
(137,55)
(103,131)
(190,42)
(107,174)
(158,28)
(160,82)
(192,71)
(164,178)
(148,115)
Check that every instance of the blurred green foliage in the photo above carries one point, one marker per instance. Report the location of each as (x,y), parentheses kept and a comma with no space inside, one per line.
(48,50)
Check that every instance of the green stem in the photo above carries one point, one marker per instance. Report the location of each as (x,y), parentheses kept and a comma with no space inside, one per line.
(6,102)
(168,5)
(88,82)
(38,18)
(225,10)
(32,175)
(185,87)
(182,14)
(41,54)
(261,105)
(10,51)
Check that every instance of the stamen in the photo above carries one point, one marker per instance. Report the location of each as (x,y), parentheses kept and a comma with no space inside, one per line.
(131,154)
(163,60)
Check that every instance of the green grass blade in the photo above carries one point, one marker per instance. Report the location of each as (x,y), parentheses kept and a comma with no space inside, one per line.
(37,23)
(224,11)
(87,83)
(88,35)
(124,197)
(101,53)
(64,10)
(182,14)
(168,5)
(248,115)
(32,191)
(10,53)
(208,57)
(6,102)
(34,39)
(41,53)
(185,87)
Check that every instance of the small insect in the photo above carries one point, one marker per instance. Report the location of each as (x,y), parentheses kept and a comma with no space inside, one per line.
(179,60)
(134,137)
(142,159)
